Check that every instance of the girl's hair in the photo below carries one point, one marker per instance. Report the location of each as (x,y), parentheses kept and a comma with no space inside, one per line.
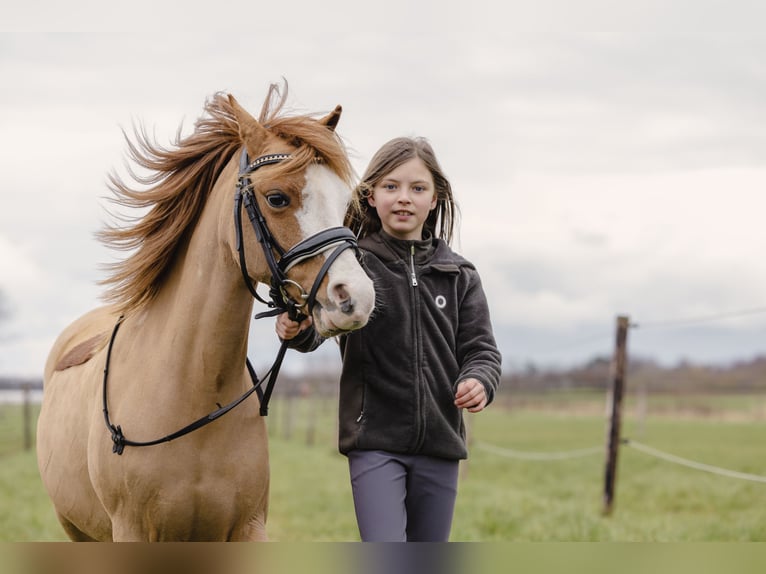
(363,219)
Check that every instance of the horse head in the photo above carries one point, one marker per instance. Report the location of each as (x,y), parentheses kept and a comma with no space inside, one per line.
(294,182)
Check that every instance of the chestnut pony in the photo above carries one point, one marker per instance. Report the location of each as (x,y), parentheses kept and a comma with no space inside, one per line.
(134,459)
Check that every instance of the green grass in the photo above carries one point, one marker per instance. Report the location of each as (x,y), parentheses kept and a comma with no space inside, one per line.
(500,498)
(655,500)
(26,513)
(12,427)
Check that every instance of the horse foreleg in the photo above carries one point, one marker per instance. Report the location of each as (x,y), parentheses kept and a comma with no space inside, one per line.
(255,530)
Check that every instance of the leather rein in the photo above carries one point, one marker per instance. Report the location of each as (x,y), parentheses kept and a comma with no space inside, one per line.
(336,238)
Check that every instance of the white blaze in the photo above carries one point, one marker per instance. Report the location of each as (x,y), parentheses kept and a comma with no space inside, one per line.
(325,198)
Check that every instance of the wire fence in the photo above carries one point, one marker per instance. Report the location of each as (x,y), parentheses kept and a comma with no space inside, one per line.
(543,456)
(651,451)
(538,456)
(620,356)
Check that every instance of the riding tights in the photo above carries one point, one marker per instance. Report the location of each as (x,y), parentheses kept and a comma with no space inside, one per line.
(400,498)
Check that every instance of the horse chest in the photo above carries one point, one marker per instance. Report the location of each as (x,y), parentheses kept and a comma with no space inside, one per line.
(182,493)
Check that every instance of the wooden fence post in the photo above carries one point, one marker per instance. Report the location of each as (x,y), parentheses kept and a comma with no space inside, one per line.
(615,410)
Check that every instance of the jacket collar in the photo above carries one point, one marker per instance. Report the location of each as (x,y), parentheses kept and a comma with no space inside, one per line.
(388,248)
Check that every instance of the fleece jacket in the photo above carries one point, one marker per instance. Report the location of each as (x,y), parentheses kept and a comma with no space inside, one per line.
(430,330)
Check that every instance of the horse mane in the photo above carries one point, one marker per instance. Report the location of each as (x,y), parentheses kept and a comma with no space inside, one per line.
(180,180)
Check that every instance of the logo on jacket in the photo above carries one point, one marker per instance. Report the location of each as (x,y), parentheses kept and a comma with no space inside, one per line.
(441,301)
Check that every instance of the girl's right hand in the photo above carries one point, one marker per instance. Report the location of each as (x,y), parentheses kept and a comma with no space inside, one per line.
(288,329)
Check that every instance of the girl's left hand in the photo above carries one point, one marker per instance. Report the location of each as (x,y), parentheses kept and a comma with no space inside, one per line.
(288,329)
(471,395)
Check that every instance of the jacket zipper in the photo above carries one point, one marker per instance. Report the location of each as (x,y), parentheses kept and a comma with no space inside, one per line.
(420,436)
(413,277)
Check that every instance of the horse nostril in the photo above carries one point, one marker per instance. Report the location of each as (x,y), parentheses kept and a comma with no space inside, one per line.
(347,306)
(344,300)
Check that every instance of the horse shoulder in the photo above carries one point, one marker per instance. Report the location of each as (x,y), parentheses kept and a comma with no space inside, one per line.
(82,352)
(83,339)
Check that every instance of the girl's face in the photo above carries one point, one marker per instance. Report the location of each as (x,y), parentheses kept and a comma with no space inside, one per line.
(404,198)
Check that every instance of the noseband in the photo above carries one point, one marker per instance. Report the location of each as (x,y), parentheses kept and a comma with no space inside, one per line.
(337,238)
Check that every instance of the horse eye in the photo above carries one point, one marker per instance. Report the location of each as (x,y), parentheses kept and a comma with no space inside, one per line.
(278,200)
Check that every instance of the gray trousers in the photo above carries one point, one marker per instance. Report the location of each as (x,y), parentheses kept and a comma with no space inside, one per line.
(399,498)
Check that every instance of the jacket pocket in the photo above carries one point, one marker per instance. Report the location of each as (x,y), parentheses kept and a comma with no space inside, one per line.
(360,417)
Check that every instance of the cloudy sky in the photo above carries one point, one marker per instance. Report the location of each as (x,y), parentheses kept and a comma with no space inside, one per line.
(608,157)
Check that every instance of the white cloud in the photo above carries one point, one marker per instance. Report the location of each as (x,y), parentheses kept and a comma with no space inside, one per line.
(571,251)
(607,157)
(18,271)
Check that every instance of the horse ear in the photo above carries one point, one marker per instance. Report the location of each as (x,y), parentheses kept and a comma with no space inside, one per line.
(249,129)
(331,119)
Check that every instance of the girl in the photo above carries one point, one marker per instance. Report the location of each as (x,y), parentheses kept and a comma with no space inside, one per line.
(427,353)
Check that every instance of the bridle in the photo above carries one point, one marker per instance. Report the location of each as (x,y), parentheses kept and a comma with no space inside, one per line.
(336,238)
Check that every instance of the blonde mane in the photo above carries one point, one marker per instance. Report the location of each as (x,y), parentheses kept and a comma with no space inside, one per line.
(180,181)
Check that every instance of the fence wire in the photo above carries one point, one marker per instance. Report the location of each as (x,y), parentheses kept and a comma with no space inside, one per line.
(577,453)
(693,464)
(539,456)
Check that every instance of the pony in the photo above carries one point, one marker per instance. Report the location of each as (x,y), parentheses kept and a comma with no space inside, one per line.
(182,299)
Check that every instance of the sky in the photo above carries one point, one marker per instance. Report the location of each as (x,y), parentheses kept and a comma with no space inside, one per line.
(608,158)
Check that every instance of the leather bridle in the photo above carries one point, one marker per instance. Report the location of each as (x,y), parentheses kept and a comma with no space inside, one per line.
(337,238)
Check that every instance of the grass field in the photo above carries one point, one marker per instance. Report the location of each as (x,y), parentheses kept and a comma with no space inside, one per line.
(501,497)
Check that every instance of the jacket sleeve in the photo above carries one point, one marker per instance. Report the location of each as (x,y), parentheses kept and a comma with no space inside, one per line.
(477,352)
(306,341)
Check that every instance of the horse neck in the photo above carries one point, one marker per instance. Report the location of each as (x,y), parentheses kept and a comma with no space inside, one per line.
(204,307)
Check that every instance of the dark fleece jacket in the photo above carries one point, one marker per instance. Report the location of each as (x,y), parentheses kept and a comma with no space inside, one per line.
(430,330)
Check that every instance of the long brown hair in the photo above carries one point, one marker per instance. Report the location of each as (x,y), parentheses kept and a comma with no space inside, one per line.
(363,219)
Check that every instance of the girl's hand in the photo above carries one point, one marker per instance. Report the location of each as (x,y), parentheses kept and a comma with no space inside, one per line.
(288,329)
(471,395)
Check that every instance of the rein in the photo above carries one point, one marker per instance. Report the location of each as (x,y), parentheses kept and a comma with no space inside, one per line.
(337,238)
